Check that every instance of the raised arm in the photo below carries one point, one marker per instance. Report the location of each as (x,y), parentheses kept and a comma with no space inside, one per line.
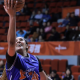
(11,37)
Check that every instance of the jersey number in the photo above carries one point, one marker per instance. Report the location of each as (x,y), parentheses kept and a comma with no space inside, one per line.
(35,76)
(22,75)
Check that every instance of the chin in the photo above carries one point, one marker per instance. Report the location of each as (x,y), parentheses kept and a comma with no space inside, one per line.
(19,50)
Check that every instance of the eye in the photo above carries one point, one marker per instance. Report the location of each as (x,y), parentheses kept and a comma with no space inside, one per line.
(21,39)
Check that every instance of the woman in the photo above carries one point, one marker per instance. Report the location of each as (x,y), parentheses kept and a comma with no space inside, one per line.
(20,65)
(68,75)
(54,75)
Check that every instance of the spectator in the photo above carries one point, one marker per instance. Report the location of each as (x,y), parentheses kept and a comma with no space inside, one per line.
(48,28)
(40,39)
(26,10)
(65,21)
(68,75)
(32,18)
(32,29)
(74,19)
(55,36)
(67,33)
(78,37)
(42,33)
(35,35)
(38,16)
(1,66)
(37,30)
(54,75)
(21,33)
(31,39)
(46,17)
(45,8)
(43,25)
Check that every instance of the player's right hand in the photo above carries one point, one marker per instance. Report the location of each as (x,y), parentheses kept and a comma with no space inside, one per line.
(10,8)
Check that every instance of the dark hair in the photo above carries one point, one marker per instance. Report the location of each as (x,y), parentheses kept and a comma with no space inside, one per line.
(54,28)
(46,5)
(70,71)
(54,71)
(26,44)
(72,13)
(26,41)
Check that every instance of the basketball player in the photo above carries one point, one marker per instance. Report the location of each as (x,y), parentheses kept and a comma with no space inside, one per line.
(20,65)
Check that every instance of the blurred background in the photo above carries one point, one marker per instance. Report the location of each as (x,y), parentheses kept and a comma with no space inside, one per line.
(52,30)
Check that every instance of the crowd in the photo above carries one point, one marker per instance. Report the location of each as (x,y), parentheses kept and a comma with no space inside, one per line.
(45,31)
(65,76)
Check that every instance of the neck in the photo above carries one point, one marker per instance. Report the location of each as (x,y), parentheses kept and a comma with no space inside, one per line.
(22,52)
(67,75)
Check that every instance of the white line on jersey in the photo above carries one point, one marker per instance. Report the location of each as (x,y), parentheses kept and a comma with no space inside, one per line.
(11,77)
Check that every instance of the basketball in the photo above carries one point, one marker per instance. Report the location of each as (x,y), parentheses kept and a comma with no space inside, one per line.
(19,6)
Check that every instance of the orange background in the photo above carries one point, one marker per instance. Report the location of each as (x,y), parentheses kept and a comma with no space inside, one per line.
(48,48)
(67,10)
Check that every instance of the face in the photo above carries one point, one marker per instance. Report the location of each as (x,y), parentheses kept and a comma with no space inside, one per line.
(37,30)
(68,14)
(46,12)
(44,24)
(76,28)
(67,27)
(31,39)
(53,30)
(41,30)
(48,24)
(67,71)
(20,44)
(72,15)
(40,37)
(33,12)
(39,12)
(1,62)
(53,74)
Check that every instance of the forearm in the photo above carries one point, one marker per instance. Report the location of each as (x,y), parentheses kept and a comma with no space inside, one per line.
(44,76)
(12,30)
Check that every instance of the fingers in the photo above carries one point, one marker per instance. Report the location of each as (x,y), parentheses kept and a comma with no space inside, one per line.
(15,4)
(6,3)
(11,3)
(5,8)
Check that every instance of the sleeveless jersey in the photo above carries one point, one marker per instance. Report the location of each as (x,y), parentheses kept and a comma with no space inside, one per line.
(24,68)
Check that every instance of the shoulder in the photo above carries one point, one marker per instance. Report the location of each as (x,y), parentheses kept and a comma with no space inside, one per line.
(72,76)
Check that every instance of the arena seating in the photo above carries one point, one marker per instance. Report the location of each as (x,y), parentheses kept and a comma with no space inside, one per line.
(55,64)
(55,6)
(58,65)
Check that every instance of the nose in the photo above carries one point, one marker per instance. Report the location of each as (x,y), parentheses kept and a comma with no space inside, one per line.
(18,41)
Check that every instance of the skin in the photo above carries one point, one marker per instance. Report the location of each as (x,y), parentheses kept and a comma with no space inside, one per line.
(67,72)
(16,44)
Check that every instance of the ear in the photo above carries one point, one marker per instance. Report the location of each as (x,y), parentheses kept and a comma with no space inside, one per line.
(27,46)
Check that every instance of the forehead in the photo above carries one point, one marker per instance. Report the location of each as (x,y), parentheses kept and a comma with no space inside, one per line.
(19,38)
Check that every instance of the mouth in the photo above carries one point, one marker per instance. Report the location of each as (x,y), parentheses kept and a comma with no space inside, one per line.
(19,44)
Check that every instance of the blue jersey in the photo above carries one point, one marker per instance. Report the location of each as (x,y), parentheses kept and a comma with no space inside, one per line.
(23,68)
